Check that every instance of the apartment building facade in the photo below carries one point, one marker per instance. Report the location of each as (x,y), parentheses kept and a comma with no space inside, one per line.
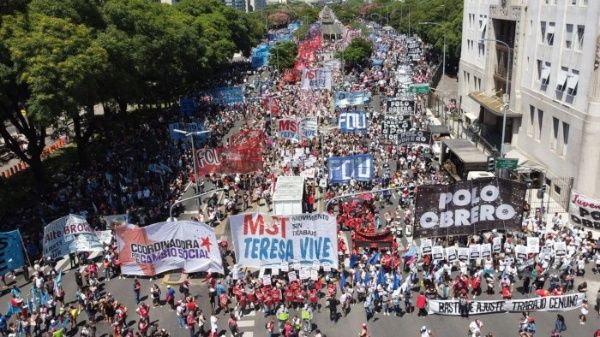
(547,53)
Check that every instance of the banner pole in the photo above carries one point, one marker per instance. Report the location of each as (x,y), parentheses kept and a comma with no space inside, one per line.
(24,249)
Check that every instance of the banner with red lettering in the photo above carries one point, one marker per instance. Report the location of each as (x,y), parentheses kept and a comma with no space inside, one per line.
(584,211)
(69,234)
(160,247)
(288,128)
(270,241)
(316,78)
(232,159)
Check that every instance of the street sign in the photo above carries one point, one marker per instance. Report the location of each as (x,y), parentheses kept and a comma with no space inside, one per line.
(422,88)
(507,163)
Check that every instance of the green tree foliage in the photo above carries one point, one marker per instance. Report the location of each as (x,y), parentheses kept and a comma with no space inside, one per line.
(405,16)
(46,64)
(60,58)
(283,55)
(357,53)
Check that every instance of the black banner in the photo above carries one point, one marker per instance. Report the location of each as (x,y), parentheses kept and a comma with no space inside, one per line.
(418,137)
(394,125)
(468,206)
(399,106)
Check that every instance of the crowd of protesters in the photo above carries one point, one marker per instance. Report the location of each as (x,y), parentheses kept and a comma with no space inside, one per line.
(392,281)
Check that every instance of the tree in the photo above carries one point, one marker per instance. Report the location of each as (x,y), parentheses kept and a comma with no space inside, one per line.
(357,53)
(283,55)
(46,61)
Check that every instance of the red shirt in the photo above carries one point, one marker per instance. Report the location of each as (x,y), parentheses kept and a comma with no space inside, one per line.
(421,302)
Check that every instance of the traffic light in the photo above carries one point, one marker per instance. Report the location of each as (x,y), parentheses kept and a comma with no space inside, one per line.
(541,191)
(537,179)
(491,164)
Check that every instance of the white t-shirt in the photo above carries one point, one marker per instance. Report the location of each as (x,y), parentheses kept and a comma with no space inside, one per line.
(426,333)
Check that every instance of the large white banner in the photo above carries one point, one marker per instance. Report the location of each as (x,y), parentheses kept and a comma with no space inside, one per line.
(69,234)
(549,303)
(164,246)
(584,211)
(269,241)
(316,78)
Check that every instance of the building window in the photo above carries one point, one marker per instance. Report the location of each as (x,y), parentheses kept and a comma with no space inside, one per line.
(572,83)
(580,33)
(550,33)
(543,30)
(565,131)
(555,125)
(557,189)
(481,49)
(482,25)
(531,120)
(545,76)
(561,81)
(569,36)
(540,123)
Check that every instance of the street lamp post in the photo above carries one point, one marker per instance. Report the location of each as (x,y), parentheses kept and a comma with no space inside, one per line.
(197,196)
(444,48)
(191,135)
(505,97)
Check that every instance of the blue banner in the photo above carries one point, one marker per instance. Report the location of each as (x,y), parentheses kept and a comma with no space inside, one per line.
(345,99)
(187,106)
(11,251)
(260,56)
(228,95)
(352,122)
(377,62)
(357,167)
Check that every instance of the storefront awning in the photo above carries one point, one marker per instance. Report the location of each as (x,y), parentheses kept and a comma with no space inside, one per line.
(466,151)
(441,130)
(492,104)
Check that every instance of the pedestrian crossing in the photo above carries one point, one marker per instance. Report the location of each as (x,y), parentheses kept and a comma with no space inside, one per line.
(246,323)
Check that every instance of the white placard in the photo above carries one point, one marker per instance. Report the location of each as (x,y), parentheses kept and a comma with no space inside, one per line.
(266,279)
(426,245)
(285,267)
(474,251)
(560,249)
(486,250)
(533,245)
(292,276)
(521,252)
(497,244)
(304,273)
(437,252)
(463,253)
(451,254)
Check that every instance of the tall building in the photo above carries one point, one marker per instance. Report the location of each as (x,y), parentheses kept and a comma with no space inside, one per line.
(256,5)
(241,5)
(547,53)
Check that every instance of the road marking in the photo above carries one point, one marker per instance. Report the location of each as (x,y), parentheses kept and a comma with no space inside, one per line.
(246,324)
(188,186)
(191,212)
(248,334)
(251,314)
